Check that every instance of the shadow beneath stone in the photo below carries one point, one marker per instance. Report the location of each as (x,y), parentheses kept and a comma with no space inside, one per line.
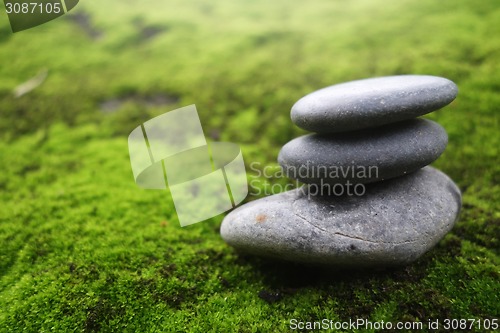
(288,277)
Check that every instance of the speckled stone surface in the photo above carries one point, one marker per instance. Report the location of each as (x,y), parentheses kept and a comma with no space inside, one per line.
(372,102)
(364,156)
(394,223)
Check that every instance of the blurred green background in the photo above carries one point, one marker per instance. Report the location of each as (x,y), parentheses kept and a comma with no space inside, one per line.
(83,249)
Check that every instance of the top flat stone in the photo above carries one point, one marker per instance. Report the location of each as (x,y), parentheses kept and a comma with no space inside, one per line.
(372,102)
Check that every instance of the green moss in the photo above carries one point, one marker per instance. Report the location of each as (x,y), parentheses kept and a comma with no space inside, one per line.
(84,249)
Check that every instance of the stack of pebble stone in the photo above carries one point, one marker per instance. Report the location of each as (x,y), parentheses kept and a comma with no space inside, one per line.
(369,197)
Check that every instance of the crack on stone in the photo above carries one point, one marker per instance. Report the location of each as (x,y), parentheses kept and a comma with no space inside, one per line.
(344,235)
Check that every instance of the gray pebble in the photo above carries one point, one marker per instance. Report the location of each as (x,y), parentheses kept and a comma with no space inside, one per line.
(372,102)
(363,156)
(394,223)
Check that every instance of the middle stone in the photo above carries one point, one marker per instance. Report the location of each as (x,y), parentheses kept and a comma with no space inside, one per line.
(364,156)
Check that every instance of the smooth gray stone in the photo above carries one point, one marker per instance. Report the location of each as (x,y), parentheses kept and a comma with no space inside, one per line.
(365,156)
(372,102)
(394,223)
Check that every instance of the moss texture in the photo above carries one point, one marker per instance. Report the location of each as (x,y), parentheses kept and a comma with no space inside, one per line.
(83,249)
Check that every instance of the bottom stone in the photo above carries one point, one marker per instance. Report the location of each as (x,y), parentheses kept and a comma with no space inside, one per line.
(393,223)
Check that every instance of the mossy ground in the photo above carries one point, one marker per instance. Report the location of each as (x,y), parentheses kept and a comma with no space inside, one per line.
(83,249)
